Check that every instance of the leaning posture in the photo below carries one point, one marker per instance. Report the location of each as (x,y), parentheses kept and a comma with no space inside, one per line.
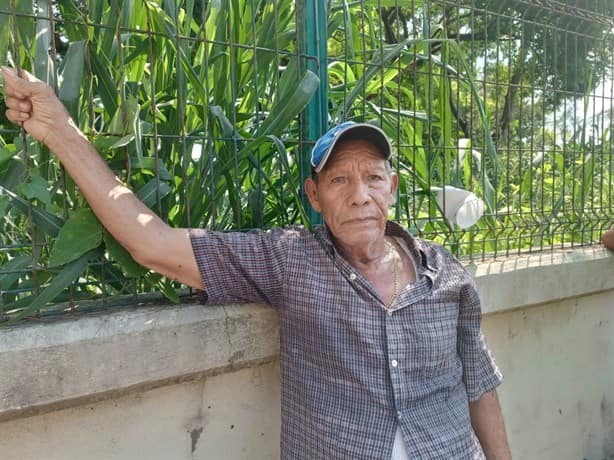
(382,353)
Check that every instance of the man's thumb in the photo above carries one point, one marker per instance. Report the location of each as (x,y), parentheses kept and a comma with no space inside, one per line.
(27,76)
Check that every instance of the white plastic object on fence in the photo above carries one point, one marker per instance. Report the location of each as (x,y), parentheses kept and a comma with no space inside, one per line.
(460,207)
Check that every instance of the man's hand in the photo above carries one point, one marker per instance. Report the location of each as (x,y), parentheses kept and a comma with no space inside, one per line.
(33,104)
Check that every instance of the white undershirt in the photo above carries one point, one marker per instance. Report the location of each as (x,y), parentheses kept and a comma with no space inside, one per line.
(399,450)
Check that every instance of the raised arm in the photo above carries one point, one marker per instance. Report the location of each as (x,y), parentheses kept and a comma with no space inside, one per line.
(151,242)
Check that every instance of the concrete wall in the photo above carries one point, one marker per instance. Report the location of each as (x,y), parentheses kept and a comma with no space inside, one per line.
(203,383)
(558,363)
(234,415)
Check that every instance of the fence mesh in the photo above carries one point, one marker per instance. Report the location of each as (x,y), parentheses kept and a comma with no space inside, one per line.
(208,110)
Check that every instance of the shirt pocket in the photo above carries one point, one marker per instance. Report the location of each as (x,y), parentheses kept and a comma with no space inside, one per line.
(434,328)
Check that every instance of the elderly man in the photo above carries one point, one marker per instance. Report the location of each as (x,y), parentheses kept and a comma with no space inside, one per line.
(381,349)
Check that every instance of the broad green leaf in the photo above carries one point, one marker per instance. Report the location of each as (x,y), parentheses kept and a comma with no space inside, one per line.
(5,156)
(525,187)
(105,85)
(72,76)
(126,140)
(148,164)
(122,122)
(44,220)
(163,285)
(381,58)
(36,188)
(287,82)
(22,8)
(289,107)
(227,127)
(81,233)
(43,64)
(61,281)
(419,116)
(12,173)
(5,34)
(559,160)
(11,271)
(152,191)
(4,204)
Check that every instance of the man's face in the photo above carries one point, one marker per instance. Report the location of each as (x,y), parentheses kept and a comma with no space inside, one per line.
(353,192)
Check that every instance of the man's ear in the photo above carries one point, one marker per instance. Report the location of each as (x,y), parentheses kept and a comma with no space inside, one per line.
(311,188)
(394,185)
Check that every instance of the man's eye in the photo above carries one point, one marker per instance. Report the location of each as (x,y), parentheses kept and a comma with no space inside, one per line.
(338,180)
(375,177)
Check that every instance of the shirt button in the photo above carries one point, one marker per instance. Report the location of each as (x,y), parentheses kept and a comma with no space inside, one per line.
(394,363)
(399,414)
(352,276)
(389,312)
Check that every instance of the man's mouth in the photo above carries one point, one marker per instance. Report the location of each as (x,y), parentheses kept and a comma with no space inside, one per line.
(359,220)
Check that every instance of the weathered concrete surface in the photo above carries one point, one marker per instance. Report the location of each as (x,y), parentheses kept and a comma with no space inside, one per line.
(532,279)
(230,416)
(106,386)
(51,366)
(558,364)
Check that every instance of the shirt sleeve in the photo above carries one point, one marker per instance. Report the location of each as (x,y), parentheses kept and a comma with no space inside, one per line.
(242,267)
(480,372)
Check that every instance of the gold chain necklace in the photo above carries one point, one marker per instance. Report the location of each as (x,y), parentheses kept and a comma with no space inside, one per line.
(395,275)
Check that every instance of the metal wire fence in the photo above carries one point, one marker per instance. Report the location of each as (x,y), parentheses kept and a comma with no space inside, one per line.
(208,110)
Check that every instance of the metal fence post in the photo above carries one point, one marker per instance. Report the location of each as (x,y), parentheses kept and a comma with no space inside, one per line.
(312,18)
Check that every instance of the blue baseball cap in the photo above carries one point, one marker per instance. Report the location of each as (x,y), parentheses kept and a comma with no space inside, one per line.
(324,147)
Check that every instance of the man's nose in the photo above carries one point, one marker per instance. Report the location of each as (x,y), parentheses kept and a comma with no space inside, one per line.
(360,193)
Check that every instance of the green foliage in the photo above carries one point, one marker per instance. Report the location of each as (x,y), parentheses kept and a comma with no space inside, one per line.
(198,107)
(80,234)
(467,93)
(202,131)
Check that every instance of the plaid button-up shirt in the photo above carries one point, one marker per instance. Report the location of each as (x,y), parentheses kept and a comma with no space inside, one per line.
(353,372)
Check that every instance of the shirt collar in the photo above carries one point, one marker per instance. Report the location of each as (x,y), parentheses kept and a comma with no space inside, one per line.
(425,263)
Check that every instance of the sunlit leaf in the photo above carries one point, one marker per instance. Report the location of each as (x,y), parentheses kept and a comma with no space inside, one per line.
(72,76)
(289,107)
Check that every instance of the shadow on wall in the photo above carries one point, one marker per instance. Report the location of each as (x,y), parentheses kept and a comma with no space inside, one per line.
(607,418)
